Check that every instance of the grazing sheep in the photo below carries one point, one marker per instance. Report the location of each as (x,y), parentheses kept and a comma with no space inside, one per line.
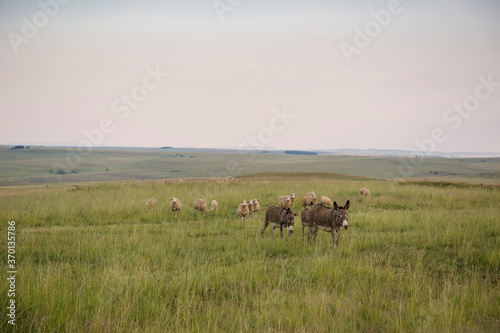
(311,194)
(279,218)
(284,201)
(175,205)
(292,197)
(201,205)
(365,192)
(251,207)
(309,200)
(325,201)
(215,205)
(169,181)
(181,181)
(235,180)
(243,210)
(150,203)
(212,180)
(256,205)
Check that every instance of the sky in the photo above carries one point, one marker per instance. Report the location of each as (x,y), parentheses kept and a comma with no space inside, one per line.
(304,74)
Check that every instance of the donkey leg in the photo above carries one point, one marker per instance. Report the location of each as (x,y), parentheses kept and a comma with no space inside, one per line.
(309,231)
(315,232)
(263,229)
(312,231)
(336,240)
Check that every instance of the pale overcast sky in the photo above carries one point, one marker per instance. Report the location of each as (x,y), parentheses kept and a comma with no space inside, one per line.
(284,74)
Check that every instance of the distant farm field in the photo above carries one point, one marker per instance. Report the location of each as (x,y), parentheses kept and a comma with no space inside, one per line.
(418,256)
(58,165)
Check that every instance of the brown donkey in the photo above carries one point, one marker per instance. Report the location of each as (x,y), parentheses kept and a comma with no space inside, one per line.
(279,218)
(327,219)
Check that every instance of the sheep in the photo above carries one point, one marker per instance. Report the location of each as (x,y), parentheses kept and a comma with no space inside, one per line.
(311,194)
(181,181)
(212,180)
(251,207)
(365,192)
(256,205)
(243,210)
(201,205)
(169,181)
(215,205)
(284,201)
(222,180)
(175,205)
(292,197)
(325,201)
(309,200)
(150,203)
(235,180)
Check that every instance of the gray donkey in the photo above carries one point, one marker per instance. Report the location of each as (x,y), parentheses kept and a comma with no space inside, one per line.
(279,218)
(327,219)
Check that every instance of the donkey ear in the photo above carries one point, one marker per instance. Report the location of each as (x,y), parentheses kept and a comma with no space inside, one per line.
(346,207)
(335,207)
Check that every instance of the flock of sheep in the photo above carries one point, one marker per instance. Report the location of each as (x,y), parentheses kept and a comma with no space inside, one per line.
(176,205)
(326,215)
(247,208)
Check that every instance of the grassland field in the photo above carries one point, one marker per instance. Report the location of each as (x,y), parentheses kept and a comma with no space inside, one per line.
(419,255)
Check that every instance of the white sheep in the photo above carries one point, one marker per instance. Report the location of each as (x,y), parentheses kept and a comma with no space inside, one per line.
(325,201)
(311,194)
(284,201)
(215,205)
(150,203)
(309,200)
(256,205)
(251,207)
(175,205)
(181,181)
(365,192)
(243,210)
(201,205)
(292,197)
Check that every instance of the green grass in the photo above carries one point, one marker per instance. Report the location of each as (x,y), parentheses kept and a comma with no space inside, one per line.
(418,257)
(33,166)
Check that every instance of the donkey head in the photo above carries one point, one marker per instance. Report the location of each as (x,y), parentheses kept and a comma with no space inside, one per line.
(288,220)
(342,216)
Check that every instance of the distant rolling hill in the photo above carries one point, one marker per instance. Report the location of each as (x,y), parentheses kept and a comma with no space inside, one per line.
(42,165)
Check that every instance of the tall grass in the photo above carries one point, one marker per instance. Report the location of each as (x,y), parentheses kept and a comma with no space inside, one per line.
(415,259)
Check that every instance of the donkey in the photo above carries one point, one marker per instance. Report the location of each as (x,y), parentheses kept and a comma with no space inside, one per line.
(279,218)
(327,219)
(305,223)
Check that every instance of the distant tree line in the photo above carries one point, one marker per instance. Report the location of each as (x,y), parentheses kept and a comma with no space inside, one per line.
(20,147)
(300,152)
